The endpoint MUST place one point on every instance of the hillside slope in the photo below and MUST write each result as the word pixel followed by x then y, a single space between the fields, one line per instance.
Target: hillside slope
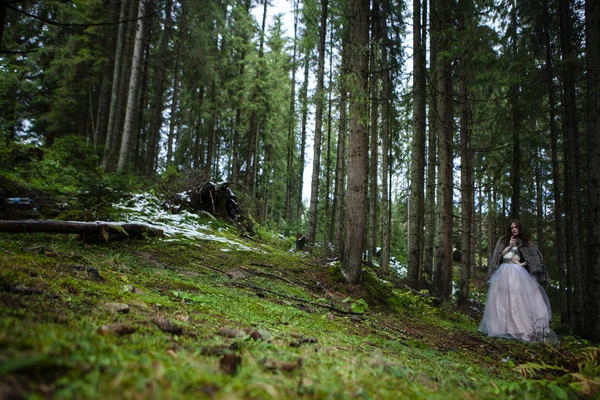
pixel 225 317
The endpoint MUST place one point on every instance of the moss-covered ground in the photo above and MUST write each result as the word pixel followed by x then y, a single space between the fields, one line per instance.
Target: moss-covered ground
pixel 204 319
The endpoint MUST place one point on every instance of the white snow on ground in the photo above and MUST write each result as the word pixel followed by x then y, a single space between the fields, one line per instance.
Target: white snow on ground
pixel 145 208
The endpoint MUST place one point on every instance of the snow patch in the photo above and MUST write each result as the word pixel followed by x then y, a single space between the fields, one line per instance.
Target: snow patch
pixel 147 209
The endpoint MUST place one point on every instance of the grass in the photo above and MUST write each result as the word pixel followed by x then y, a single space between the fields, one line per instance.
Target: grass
pixel 53 289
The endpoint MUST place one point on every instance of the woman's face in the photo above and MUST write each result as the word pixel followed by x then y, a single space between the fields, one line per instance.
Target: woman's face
pixel 514 229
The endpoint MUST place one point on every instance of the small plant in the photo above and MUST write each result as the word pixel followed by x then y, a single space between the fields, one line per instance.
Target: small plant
pixel 357 306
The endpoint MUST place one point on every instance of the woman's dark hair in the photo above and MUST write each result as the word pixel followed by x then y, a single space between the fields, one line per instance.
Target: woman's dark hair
pixel 523 236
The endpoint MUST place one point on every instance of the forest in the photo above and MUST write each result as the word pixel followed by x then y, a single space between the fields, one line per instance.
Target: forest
pixel 397 138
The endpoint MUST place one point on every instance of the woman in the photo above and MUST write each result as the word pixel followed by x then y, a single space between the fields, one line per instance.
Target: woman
pixel 517 307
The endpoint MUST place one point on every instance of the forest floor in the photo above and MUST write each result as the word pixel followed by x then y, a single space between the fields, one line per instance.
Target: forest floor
pixel 247 318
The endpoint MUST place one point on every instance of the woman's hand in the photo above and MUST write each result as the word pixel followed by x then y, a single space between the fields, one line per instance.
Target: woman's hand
pixel 513 241
pixel 517 261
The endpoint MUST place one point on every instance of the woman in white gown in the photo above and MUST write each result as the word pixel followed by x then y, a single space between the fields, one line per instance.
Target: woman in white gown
pixel 517 307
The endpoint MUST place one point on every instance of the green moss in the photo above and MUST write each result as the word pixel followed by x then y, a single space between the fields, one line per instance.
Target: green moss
pixel 402 347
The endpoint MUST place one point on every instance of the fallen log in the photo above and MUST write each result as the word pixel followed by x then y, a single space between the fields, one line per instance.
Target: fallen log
pixel 83 228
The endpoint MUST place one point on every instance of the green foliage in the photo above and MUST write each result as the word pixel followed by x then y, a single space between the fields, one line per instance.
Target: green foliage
pixel 357 305
pixel 67 173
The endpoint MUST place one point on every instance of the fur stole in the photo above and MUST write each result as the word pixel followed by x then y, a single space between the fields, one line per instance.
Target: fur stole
pixel 529 253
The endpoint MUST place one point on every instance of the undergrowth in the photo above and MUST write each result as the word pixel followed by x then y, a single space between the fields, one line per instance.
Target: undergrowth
pixel 208 320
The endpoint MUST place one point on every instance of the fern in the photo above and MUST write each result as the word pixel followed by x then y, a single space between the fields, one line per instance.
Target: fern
pixel 530 370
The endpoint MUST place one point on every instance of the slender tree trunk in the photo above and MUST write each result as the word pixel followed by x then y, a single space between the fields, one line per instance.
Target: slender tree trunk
pixel 304 101
pixel 130 113
pixel 251 156
pixel 385 141
pixel 592 16
pixel 556 174
pixel 417 169
pixel 515 174
pixel 328 225
pixel 156 109
pixel 466 184
pixel 358 141
pixel 491 206
pixel 319 95
pixel 539 203
pixel 139 136
pixel 104 96
pixel 176 83
pixel 291 141
pixel 196 118
pixel 374 152
pixel 443 251
pixel 340 169
pixel 110 132
pixel 571 165
pixel 430 212
pixel 212 126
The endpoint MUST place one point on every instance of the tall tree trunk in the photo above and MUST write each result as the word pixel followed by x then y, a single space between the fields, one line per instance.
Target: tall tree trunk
pixel 443 249
pixel 291 140
pixel 156 109
pixel 358 141
pixel 592 16
pixel 466 175
pixel 491 206
pixel 196 120
pixel 139 136
pixel 430 212
pixel 104 97
pixel 112 113
pixel 328 225
pixel 539 203
pixel 417 169
pixel 251 156
pixel 212 126
pixel 386 89
pixel 235 164
pixel 136 63
pixel 304 101
pixel 319 95
pixel 340 163
pixel 515 174
pixel 571 164
pixel 374 127
pixel 176 83
pixel 559 240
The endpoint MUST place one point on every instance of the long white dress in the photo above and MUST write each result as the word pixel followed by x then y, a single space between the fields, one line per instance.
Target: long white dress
pixel 517 307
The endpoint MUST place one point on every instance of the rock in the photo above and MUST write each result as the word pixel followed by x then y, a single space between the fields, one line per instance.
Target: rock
pixel 261 334
pixel 301 341
pixel 238 274
pixel 137 291
pixel 166 326
pixel 116 308
pixel 230 363
pixel 118 329
pixel 275 365
pixel 23 289
pixel 231 332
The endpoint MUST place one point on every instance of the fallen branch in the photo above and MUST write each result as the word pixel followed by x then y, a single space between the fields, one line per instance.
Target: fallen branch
pixel 215 269
pixel 86 228
pixel 295 298
pixel 268 274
